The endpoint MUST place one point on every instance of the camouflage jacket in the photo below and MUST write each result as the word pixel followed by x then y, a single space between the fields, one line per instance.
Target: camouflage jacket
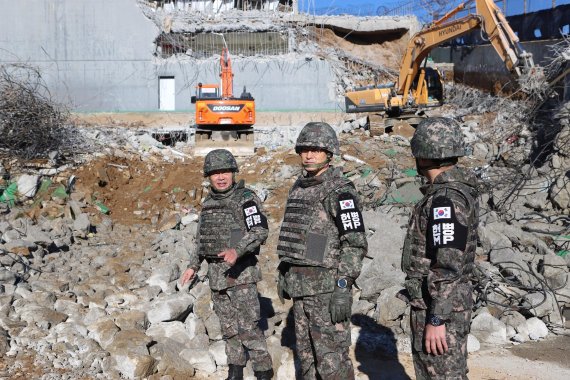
pixel 322 236
pixel 440 244
pixel 236 221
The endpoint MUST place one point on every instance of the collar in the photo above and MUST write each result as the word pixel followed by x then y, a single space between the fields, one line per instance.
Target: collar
pixel 305 181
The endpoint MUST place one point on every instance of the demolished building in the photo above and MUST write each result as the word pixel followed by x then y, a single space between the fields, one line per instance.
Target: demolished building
pixel 129 55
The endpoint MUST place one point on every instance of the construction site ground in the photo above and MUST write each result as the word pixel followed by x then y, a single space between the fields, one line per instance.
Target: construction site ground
pixel 137 190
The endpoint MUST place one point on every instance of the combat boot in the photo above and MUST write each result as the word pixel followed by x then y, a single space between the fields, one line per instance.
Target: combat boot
pixel 264 375
pixel 235 372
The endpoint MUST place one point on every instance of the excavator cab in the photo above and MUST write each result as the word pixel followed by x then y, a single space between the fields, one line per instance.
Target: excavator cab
pixel 429 93
pixel 206 91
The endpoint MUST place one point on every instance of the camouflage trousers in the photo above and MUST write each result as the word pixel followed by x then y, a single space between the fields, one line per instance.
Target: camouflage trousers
pixel 239 313
pixel 453 364
pixel 322 346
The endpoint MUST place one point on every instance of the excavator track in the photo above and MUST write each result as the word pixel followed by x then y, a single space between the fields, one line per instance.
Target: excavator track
pixel 237 139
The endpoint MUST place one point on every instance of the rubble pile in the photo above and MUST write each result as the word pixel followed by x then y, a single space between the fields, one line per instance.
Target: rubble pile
pixel 31 124
pixel 91 258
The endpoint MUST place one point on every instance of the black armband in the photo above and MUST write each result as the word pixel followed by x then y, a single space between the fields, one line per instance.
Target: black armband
pixel 349 217
pixel 253 216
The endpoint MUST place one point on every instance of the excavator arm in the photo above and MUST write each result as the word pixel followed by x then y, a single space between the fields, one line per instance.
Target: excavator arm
pixel 488 17
pixel 226 74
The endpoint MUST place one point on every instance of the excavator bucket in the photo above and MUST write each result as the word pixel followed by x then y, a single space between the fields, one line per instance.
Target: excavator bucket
pixel 238 140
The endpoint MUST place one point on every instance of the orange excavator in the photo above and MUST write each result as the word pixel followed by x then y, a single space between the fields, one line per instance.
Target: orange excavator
pixel 420 87
pixel 222 120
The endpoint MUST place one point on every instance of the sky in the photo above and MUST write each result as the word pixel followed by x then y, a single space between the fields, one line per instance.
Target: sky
pixel 371 7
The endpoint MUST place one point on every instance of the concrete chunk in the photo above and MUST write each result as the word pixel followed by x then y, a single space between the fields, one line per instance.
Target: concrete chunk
pixel 169 308
pixel 488 329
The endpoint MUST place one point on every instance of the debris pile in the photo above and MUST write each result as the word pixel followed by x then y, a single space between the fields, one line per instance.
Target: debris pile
pixel 90 266
pixel 31 124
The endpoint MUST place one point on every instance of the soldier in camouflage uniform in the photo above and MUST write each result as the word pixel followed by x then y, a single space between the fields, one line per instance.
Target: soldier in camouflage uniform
pixel 321 246
pixel 439 252
pixel 231 229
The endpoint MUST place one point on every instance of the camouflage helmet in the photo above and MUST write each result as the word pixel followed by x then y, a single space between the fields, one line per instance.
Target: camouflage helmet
pixel 437 138
pixel 318 135
pixel 220 159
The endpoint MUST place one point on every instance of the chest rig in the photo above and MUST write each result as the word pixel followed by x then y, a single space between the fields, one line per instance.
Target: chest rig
pixel 308 233
pixel 221 225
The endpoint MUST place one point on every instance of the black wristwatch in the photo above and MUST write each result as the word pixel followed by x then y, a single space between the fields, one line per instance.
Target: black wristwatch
pixel 435 320
pixel 342 283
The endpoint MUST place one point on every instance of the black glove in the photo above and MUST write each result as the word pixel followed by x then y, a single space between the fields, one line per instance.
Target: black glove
pixel 341 304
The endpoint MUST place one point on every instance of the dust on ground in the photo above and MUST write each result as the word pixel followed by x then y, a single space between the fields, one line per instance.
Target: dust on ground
pixel 137 191
pixel 150 120
pixel 146 192
pixel 544 360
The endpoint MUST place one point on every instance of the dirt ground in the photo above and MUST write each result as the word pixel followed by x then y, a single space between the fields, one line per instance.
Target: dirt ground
pixel 148 120
pixel 545 360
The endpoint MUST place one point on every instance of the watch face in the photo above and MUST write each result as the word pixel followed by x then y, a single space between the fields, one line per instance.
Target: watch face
pixel 434 320
pixel 342 283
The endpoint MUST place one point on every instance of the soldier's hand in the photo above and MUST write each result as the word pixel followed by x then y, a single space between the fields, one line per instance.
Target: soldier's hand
pixel 229 255
pixel 187 276
pixel 341 305
pixel 435 339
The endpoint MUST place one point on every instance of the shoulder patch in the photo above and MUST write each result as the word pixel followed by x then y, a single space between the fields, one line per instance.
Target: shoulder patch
pixel 253 216
pixel 349 217
pixel 443 228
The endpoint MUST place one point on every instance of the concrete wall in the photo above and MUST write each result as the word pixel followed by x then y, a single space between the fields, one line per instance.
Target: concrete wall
pixel 97 56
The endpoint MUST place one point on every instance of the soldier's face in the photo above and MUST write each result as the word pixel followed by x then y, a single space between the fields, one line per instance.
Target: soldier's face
pixel 313 159
pixel 221 180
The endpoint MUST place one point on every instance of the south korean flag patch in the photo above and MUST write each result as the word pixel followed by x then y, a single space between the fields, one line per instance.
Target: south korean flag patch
pixel 441 213
pixel 253 216
pixel 443 229
pixel 349 217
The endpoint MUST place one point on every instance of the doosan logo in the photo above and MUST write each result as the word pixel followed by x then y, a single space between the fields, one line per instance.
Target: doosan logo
pixel 226 108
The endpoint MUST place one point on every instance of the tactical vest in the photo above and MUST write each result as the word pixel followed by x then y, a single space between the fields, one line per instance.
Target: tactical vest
pixel 305 236
pixel 221 225
pixel 415 260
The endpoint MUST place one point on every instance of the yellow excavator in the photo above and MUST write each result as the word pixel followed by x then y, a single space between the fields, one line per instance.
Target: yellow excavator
pixel 420 87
